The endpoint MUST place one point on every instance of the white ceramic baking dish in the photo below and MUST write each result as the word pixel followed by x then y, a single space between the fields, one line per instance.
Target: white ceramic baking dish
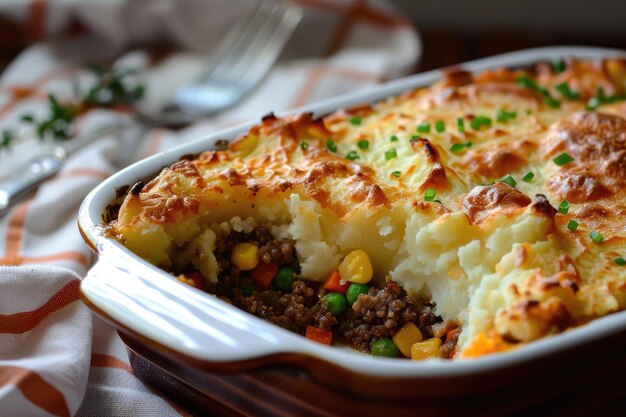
pixel 198 331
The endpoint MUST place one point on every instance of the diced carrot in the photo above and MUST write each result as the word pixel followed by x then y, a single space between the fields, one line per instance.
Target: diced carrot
pixel 198 279
pixel 263 274
pixel 392 285
pixel 319 335
pixel 333 283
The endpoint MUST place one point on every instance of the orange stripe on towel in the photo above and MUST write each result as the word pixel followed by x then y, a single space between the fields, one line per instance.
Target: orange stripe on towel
pixel 308 86
pixel 108 361
pixel 72 256
pixel 15 229
pixel 83 172
pixel 13 245
pixel 28 320
pixel 36 389
pixel 355 12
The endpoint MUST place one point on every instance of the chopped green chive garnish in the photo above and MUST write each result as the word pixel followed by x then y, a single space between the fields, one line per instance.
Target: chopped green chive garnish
pixel 458 147
pixel 304 145
pixel 396 173
pixel 479 121
pixel 596 237
pixel 564 207
pixel 558 66
pixel 620 261
pixel 352 155
pixel 602 98
pixel 28 118
pixel 509 180
pixel 429 194
pixel 394 138
pixel 565 91
pixel 331 146
pixel 390 154
pixel 484 120
pixel 423 127
pixel 356 120
pixel 572 225
pixel 440 126
pixel 529 112
pixel 528 82
pixel 363 144
pixel 563 159
pixel 504 116
pixel 528 177
pixel 460 125
pixel 550 102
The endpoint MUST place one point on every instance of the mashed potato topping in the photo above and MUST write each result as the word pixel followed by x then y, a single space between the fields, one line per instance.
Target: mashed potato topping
pixel 452 190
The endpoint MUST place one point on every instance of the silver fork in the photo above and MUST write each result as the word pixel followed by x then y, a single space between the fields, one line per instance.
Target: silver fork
pixel 240 63
pixel 242 60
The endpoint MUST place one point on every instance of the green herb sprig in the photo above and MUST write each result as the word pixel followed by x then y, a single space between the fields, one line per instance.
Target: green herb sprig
pixel 110 89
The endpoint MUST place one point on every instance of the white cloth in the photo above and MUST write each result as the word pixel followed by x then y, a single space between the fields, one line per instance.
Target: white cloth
pixel 55 358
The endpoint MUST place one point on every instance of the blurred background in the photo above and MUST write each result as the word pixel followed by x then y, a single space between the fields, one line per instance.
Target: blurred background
pixel 452 31
pixel 455 31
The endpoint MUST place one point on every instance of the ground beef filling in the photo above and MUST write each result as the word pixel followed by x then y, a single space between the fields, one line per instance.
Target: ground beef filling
pixel 378 314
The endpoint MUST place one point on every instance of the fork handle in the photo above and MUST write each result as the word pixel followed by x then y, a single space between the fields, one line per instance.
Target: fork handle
pixel 28 177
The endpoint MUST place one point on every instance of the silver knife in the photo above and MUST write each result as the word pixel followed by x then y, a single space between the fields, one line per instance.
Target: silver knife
pixel 46 165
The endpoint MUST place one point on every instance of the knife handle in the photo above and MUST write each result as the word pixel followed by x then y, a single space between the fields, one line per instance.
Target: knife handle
pixel 27 177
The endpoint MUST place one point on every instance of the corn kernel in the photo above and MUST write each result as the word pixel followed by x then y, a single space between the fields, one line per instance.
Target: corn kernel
pixel 186 280
pixel 426 349
pixel 356 267
pixel 406 337
pixel 245 256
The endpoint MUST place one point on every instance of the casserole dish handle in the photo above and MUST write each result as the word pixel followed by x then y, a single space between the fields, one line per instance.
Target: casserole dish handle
pixel 165 313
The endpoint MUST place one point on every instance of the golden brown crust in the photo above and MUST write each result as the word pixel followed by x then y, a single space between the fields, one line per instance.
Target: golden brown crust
pixel 597 142
pixel 269 156
pixel 497 198
pixel 161 210
pixel 495 162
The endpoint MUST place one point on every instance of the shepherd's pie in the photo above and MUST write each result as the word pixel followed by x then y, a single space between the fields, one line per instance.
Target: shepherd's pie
pixel 468 217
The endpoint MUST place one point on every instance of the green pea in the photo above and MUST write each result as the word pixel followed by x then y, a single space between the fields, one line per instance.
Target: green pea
pixel 354 290
pixel 336 303
pixel 248 289
pixel 385 347
pixel 284 278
